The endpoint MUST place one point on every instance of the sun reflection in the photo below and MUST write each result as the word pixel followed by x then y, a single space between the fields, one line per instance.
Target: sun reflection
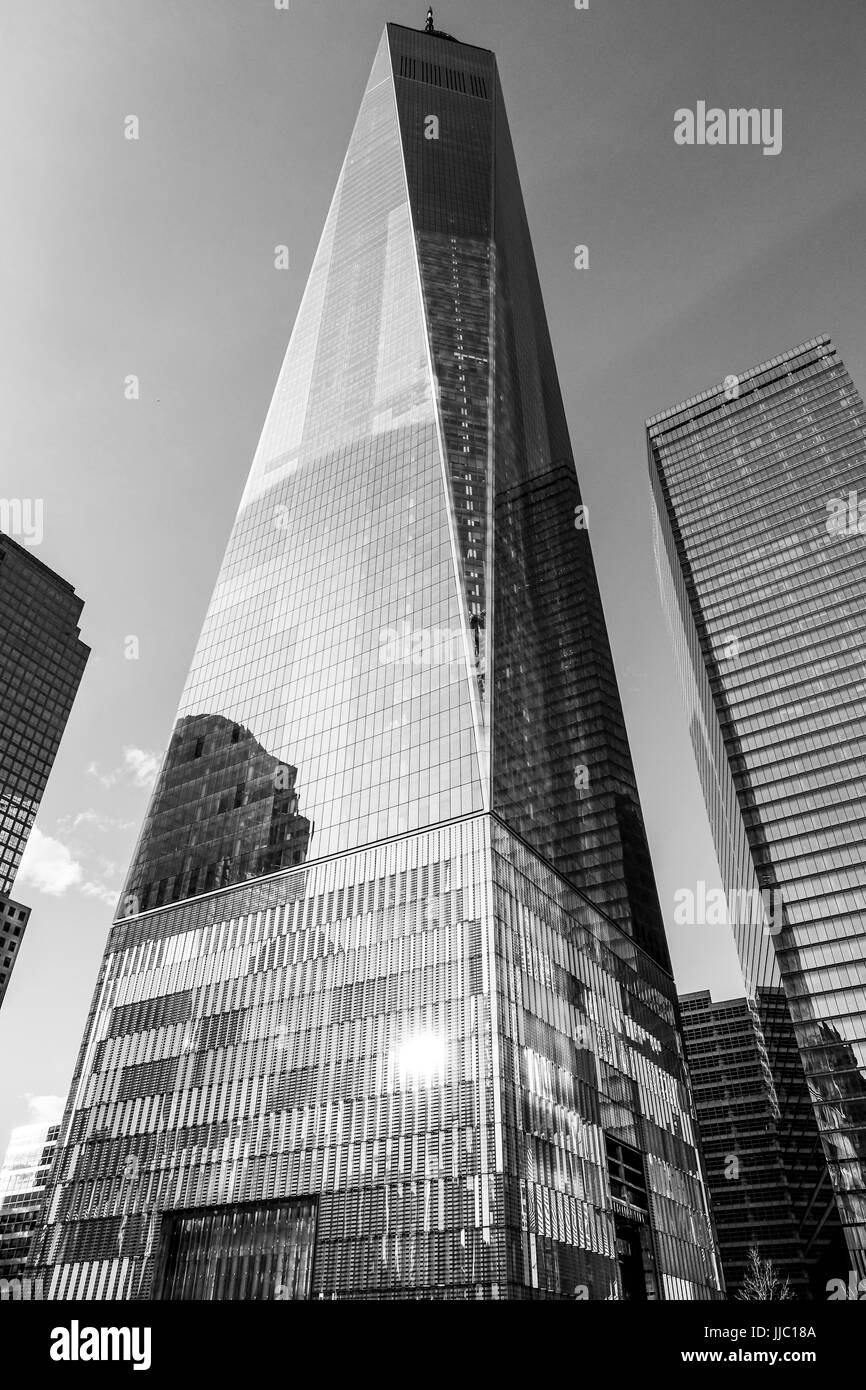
pixel 421 1058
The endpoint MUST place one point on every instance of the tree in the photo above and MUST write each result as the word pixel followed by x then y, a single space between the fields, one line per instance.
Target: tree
pixel 762 1281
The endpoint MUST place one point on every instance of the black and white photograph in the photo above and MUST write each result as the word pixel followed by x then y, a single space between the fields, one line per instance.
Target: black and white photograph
pixel 432 679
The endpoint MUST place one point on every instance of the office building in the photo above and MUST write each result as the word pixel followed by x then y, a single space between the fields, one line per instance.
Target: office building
pixel 42 660
pixel 13 924
pixel 765 1165
pixel 387 1009
pixel 758 485
pixel 23 1180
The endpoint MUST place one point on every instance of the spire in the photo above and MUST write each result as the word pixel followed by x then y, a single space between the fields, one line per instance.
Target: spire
pixel 430 28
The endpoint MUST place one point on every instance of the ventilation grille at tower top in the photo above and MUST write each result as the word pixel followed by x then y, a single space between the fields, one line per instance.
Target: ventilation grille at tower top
pixel 468 83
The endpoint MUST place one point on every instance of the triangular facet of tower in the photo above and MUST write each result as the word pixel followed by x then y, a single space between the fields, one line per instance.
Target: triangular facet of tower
pixel 337 638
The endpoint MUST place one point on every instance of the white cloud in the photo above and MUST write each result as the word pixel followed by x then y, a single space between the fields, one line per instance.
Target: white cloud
pixel 138 764
pixel 107 779
pixel 93 818
pixel 45 1110
pixel 143 766
pixel 102 891
pixel 47 866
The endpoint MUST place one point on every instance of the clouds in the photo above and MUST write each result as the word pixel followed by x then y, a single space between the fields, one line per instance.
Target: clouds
pixel 138 767
pixel 143 766
pixel 50 867
pixel 94 820
pixel 42 1111
pixel 45 1110
pixel 47 866
pixel 74 860
pixel 103 891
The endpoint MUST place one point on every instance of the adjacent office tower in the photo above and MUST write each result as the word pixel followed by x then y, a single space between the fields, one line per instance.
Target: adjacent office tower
pixel 23 1180
pixel 13 924
pixel 42 660
pixel 758 486
pixel 765 1165
pixel 387 1010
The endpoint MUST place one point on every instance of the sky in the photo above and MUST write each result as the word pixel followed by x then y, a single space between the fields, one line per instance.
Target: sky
pixel 155 258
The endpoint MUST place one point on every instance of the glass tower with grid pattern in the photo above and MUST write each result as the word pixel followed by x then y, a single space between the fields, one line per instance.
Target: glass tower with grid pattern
pixel 42 660
pixel 387 1010
pixel 765 1165
pixel 758 486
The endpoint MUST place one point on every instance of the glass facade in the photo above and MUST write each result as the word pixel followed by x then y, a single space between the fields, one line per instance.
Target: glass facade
pixel 380 947
pixel 252 1253
pixel 436 1038
pixel 42 660
pixel 335 645
pixel 560 771
pixel 756 487
pixel 23 1182
pixel 407 625
pixel 767 1176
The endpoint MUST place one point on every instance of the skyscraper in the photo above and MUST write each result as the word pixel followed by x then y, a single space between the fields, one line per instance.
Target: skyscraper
pixel 388 985
pixel 42 660
pixel 758 486
pixel 13 924
pixel 765 1165
pixel 23 1179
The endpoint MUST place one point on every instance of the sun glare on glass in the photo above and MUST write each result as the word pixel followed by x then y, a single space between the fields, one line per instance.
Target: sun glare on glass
pixel 420 1058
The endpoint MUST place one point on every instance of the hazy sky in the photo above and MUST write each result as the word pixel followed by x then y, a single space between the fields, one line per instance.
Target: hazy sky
pixel 155 257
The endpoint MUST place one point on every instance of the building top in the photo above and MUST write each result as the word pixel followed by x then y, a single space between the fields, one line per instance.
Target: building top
pixel 704 998
pixel 430 28
pixel 6 541
pixel 15 911
pixel 713 394
pixel 428 33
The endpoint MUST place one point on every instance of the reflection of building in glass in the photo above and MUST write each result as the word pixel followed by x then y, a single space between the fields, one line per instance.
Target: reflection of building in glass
pixel 765 1164
pixel 23 1180
pixel 423 1048
pixel 763 577
pixel 223 810
pixel 841 1104
pixel 13 924
pixel 555 662
pixel 42 660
